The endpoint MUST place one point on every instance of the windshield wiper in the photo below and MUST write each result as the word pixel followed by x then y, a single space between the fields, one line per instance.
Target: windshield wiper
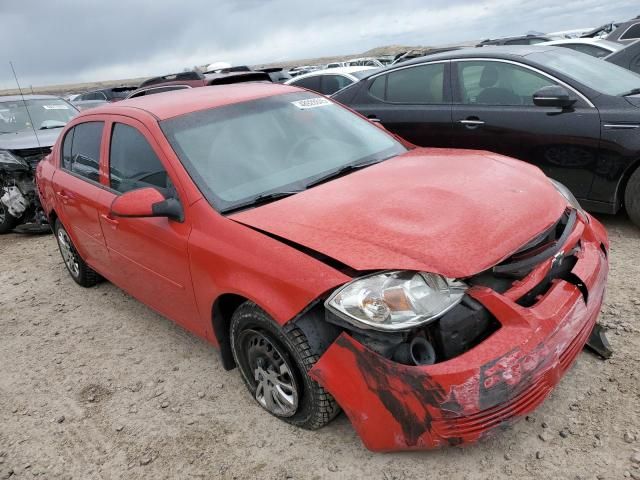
pixel 263 198
pixel 341 171
pixel 51 128
pixel 634 91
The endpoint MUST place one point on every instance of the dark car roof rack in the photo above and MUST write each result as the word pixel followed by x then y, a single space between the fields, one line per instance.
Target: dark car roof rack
pixel 182 76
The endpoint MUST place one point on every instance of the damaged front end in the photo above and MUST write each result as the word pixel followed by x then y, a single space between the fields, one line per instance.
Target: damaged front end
pixel 19 201
pixel 493 355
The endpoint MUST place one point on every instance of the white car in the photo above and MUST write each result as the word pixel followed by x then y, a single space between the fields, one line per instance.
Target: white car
pixel 331 80
pixel 591 46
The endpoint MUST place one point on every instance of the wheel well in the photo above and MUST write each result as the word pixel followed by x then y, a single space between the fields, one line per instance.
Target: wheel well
pixel 221 313
pixel 624 181
pixel 53 216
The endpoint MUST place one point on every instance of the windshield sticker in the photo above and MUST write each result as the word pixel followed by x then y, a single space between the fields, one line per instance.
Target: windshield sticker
pixel 311 103
pixel 55 107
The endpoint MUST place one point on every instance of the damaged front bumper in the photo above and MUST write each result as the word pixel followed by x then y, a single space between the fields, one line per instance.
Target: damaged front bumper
pixel 400 407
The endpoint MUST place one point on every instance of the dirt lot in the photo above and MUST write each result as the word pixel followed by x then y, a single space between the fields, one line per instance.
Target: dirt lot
pixel 95 385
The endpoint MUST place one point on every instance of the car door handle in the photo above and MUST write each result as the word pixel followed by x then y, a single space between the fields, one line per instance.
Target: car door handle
pixel 472 122
pixel 373 118
pixel 63 197
pixel 110 220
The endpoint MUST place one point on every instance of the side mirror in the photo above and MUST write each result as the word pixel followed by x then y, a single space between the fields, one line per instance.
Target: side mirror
pixel 146 202
pixel 553 96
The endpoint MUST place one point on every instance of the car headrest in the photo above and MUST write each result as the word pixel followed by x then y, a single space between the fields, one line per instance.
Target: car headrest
pixel 489 76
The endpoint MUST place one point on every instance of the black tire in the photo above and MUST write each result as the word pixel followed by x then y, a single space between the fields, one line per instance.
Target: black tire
pixel 632 197
pixel 81 273
pixel 315 406
pixel 7 221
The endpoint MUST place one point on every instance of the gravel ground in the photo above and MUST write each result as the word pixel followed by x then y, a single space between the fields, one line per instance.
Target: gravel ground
pixel 93 384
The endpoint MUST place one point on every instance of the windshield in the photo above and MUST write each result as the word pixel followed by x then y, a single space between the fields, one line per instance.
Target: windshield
pixel 278 144
pixel 45 113
pixel 601 76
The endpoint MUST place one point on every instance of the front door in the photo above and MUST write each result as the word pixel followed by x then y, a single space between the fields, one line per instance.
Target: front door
pixel 493 110
pixel 150 255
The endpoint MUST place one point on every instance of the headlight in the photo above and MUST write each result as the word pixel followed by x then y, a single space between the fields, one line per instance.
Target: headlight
pixel 395 300
pixel 7 157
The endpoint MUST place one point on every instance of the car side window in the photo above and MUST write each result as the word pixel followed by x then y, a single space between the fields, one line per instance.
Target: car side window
pixel 332 83
pixel 312 83
pixel 422 84
pixel 632 32
pixel 133 163
pixel 498 83
pixel 81 150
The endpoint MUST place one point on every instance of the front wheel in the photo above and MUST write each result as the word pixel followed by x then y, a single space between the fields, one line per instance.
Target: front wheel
pixel 632 197
pixel 7 221
pixel 274 363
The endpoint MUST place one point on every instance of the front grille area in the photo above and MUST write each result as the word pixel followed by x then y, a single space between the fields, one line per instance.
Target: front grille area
pixel 32 155
pixel 545 246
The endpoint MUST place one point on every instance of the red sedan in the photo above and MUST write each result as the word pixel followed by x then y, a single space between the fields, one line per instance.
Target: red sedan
pixel 434 295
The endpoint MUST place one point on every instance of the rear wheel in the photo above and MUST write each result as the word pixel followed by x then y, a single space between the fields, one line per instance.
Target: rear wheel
pixel 274 364
pixel 632 197
pixel 81 273
pixel 7 221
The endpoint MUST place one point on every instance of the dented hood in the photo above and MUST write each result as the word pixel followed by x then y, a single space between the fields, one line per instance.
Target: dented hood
pixel 453 212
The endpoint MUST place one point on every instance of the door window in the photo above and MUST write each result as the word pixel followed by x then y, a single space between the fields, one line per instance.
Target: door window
pixel 498 83
pixel 332 83
pixel 632 32
pixel 81 150
pixel 312 83
pixel 133 163
pixel 423 84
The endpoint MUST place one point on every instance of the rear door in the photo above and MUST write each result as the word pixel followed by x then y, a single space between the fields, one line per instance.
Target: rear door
pixel 493 110
pixel 413 102
pixel 79 194
pixel 150 255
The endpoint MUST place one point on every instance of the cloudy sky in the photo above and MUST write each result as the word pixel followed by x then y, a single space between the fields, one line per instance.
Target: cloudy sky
pixel 66 41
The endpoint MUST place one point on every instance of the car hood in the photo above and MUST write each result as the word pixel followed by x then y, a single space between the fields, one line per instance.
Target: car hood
pixel 27 139
pixel 453 212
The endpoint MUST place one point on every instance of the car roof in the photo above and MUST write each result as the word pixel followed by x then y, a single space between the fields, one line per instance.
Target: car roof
pixel 609 45
pixel 179 102
pixel 333 71
pixel 13 98
pixel 493 51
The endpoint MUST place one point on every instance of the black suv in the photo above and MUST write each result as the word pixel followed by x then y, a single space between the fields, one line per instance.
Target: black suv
pixel 573 115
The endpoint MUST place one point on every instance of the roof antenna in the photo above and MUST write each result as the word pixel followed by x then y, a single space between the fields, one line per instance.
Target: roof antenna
pixel 25 106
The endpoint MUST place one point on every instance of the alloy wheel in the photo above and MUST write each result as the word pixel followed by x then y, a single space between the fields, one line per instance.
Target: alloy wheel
pixel 269 373
pixel 69 254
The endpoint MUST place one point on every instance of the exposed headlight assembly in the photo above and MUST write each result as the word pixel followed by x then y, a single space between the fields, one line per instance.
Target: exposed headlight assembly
pixel 395 300
pixel 9 158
